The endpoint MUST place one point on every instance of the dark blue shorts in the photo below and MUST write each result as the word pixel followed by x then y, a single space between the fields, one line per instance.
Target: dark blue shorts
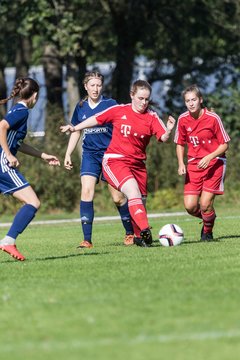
pixel 92 164
pixel 11 181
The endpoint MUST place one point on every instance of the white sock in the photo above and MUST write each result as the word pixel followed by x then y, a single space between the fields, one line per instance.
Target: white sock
pixel 7 240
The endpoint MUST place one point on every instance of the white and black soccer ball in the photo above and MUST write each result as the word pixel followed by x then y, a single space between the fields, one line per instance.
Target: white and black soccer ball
pixel 171 235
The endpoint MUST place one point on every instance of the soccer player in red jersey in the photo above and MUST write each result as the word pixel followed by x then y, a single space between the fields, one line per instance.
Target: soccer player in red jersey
pixel 207 141
pixel 124 160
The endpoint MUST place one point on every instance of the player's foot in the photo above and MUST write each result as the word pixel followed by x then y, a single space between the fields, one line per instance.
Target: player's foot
pixel 140 242
pixel 206 236
pixel 128 240
pixel 85 244
pixel 146 235
pixel 13 251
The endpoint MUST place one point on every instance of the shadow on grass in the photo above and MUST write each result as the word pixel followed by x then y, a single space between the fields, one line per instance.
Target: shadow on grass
pixel 69 256
pixel 12 260
pixel 228 237
pixel 215 240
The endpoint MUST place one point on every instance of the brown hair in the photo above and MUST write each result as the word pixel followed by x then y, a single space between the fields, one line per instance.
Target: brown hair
pixel 140 84
pixel 24 88
pixel 88 76
pixel 192 88
pixel 195 88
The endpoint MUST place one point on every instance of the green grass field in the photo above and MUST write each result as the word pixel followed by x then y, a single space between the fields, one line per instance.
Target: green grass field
pixel 116 302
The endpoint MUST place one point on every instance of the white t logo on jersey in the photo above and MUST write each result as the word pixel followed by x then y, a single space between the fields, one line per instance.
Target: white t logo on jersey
pixel 194 140
pixel 125 130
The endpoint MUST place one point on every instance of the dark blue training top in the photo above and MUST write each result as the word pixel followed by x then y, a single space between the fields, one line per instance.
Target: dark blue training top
pixel 17 118
pixel 98 137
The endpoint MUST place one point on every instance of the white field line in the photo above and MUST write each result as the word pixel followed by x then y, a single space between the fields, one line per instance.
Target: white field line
pixel 98 218
pixel 113 218
pixel 120 341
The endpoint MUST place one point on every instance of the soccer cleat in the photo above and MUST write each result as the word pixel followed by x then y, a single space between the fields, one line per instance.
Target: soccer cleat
pixel 146 235
pixel 140 242
pixel 13 251
pixel 85 244
pixel 128 240
pixel 206 236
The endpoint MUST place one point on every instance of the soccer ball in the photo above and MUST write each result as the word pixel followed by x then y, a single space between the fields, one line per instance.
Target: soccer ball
pixel 170 235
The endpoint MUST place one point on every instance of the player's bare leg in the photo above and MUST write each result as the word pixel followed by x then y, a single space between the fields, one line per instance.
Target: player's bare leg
pixel 121 203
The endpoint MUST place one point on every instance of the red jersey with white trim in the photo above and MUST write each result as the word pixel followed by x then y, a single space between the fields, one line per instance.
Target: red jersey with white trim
pixel 203 135
pixel 131 131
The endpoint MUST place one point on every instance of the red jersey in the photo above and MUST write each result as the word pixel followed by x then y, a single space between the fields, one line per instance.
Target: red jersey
pixel 131 131
pixel 202 136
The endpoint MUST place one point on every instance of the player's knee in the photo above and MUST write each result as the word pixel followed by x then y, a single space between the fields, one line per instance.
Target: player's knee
pixel 191 209
pixel 87 194
pixel 119 199
pixel 36 203
pixel 206 207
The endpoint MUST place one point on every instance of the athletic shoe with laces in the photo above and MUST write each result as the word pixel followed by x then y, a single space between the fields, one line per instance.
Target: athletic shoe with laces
pixel 146 235
pixel 13 251
pixel 206 236
pixel 128 240
pixel 145 239
pixel 85 244
pixel 140 242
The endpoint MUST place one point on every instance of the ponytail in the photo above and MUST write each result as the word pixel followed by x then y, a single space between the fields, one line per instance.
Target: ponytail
pixel 23 88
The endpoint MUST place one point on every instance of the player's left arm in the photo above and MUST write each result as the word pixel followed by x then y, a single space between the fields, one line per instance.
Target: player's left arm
pixel 221 149
pixel 30 150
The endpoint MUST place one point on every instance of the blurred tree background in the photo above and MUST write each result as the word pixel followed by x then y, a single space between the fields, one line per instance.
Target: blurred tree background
pixel 185 41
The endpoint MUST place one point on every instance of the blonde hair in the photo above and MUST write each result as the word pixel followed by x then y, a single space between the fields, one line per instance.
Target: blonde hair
pixel 92 75
pixel 88 76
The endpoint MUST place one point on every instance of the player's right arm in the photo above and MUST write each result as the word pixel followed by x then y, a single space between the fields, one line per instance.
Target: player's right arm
pixel 90 122
pixel 4 127
pixel 180 157
pixel 72 143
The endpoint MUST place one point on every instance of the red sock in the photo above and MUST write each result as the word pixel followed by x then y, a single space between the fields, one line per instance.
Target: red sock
pixel 208 221
pixel 136 229
pixel 138 213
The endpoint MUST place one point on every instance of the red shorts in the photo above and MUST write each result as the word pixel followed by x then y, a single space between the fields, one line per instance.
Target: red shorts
pixel 210 179
pixel 118 170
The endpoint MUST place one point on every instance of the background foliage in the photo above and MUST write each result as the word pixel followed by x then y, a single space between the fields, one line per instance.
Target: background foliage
pixel 183 41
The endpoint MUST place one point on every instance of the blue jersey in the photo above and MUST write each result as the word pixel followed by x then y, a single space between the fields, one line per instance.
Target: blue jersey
pixel 98 137
pixel 17 118
pixel 11 179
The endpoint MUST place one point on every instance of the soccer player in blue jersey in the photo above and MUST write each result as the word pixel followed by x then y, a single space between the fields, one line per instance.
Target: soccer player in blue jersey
pixel 13 129
pixel 94 143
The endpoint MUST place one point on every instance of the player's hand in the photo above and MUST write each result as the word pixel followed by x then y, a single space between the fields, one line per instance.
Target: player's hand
pixel 12 161
pixel 51 159
pixel 170 123
pixel 67 128
pixel 204 162
pixel 182 170
pixel 68 162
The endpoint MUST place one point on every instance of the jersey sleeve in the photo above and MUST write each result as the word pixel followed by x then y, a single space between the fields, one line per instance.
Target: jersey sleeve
pixel 106 116
pixel 180 135
pixel 158 126
pixel 221 134
pixel 16 116
pixel 75 118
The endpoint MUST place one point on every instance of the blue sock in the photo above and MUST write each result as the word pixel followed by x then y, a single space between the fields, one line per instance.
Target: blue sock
pixel 126 218
pixel 87 216
pixel 23 217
